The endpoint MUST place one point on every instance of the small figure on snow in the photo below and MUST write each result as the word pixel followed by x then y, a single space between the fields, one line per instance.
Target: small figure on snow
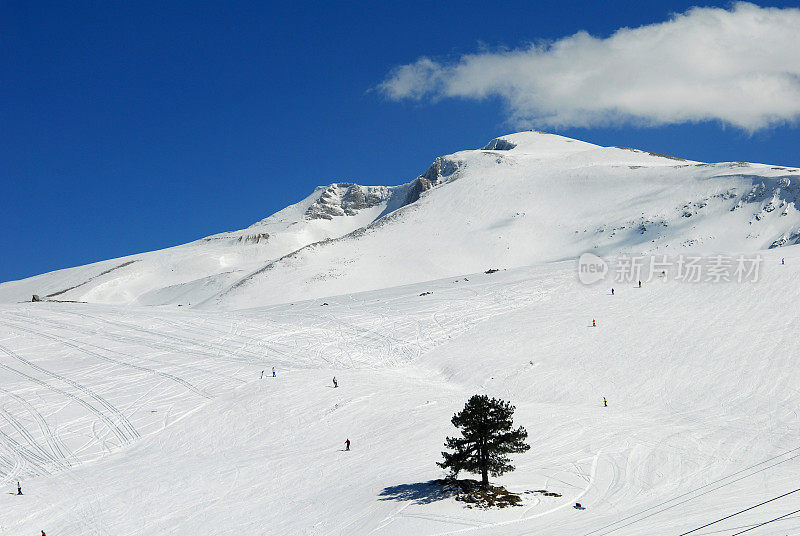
pixel 783 261
pixel 273 372
pixel 605 402
pixel 612 291
pixel 43 534
pixel 594 325
pixel 19 489
pixel 335 383
pixel 578 506
pixel 347 445
pixel 262 374
pixel 640 284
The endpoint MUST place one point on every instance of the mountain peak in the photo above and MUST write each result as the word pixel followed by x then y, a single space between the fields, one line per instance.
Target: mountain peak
pixel 535 143
pixel 525 198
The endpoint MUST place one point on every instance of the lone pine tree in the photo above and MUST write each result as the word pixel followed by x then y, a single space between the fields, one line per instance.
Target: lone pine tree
pixel 486 426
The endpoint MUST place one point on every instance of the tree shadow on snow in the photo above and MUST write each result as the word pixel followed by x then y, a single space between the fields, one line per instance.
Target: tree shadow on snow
pixel 419 492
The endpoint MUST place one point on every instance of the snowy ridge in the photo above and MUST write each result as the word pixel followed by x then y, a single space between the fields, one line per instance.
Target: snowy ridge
pixel 531 204
pixel 524 198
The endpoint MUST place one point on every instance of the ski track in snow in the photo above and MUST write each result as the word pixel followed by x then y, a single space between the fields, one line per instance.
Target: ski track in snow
pixel 122 428
pixel 230 340
pixel 154 421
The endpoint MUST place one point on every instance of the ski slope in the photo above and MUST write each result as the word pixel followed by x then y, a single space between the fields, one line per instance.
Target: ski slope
pixel 130 420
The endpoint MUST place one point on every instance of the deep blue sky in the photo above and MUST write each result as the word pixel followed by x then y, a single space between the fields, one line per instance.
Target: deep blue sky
pixel 133 126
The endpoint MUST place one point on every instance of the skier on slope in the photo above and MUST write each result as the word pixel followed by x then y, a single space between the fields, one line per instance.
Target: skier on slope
pixel 19 489
pixel 605 402
pixel 593 323
pixel 273 372
pixel 347 445
pixel 335 383
pixel 640 284
pixel 612 291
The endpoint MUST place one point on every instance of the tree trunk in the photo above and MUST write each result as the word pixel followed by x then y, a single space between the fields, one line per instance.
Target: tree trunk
pixel 484 467
pixel 483 456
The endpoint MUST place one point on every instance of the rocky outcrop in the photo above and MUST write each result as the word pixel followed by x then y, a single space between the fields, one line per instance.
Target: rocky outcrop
pixel 499 144
pixel 253 238
pixel 346 199
pixel 788 239
pixel 440 171
pixel 769 194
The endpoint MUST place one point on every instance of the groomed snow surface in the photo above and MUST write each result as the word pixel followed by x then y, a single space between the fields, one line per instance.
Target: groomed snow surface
pixel 123 420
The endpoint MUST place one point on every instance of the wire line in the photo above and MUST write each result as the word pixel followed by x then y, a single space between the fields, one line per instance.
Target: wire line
pixel 765 522
pixel 695 490
pixel 739 512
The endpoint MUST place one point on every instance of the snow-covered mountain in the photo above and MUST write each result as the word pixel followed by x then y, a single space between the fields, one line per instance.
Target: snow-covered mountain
pixel 523 199
pixel 124 419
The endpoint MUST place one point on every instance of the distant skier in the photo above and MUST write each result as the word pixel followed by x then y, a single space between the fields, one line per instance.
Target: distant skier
pixel 335 383
pixel 273 372
pixel 347 445
pixel 262 374
pixel 593 323
pixel 605 402
pixel 612 291
pixel 783 261
pixel 640 284
pixel 578 506
pixel 19 489
pixel 43 534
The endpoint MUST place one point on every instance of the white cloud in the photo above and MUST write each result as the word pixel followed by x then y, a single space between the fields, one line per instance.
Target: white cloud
pixel 739 66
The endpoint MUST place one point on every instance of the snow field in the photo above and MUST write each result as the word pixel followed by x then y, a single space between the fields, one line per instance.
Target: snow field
pixel 165 426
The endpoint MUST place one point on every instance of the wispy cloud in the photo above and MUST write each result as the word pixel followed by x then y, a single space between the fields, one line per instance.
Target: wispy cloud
pixel 740 66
